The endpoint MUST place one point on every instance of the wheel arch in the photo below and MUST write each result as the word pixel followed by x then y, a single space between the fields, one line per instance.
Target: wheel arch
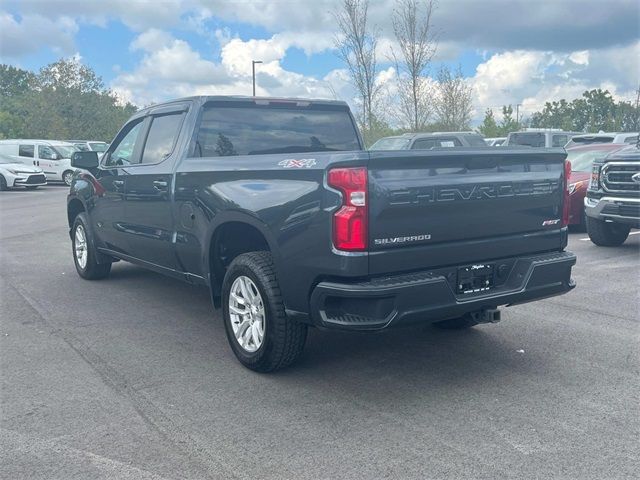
pixel 233 235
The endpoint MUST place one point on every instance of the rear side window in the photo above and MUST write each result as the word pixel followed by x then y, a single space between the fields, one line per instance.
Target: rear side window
pixel 162 137
pixel 26 150
pixel 559 140
pixel 477 141
pixel 423 144
pixel 254 130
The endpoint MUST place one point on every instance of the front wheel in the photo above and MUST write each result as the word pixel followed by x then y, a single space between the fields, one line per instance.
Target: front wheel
pixel 85 254
pixel 607 234
pixel 67 177
pixel 3 184
pixel 259 332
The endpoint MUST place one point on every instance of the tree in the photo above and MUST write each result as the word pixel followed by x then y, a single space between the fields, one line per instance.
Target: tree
pixel 413 30
pixel 508 124
pixel 356 44
pixel 596 110
pixel 453 103
pixel 15 81
pixel 489 127
pixel 64 100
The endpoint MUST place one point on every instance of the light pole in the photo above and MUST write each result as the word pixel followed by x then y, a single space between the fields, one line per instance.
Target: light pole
pixel 253 72
pixel 518 105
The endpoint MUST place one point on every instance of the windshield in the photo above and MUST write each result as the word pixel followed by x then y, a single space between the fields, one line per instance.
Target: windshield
pixel 98 146
pixel 65 151
pixel 582 161
pixel 390 144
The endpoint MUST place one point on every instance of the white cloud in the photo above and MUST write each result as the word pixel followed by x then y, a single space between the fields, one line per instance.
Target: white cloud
pixel 33 32
pixel 171 68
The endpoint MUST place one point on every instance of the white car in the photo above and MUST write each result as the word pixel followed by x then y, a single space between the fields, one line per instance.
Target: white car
pixel 52 156
pixel 19 175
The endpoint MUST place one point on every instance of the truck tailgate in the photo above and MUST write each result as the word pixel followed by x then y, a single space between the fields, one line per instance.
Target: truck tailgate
pixel 437 208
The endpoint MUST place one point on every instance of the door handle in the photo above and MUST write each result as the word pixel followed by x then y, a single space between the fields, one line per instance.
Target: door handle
pixel 118 183
pixel 160 185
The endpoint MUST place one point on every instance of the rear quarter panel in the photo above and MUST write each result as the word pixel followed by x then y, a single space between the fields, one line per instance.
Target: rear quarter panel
pixel 288 204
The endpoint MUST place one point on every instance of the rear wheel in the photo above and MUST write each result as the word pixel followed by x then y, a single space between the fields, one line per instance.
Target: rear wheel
pixel 67 177
pixel 259 332
pixel 85 254
pixel 607 234
pixel 3 184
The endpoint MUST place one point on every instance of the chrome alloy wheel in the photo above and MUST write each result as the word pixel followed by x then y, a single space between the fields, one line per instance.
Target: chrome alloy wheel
pixel 247 313
pixel 80 246
pixel 67 178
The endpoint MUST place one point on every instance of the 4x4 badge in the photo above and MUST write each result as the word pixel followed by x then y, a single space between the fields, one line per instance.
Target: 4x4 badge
pixel 636 177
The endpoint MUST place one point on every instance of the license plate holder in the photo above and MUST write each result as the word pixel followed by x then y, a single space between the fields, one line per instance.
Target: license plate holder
pixel 475 278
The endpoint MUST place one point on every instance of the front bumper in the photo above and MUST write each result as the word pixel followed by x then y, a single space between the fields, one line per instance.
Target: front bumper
pixel 29 180
pixel 617 209
pixel 431 296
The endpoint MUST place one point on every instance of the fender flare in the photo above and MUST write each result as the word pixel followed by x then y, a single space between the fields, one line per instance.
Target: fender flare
pixel 238 216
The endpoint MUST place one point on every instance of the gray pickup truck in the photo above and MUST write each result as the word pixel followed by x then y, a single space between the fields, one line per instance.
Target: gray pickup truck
pixel 275 206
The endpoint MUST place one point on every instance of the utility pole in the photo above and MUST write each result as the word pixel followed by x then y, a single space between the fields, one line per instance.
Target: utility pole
pixel 253 73
pixel 518 105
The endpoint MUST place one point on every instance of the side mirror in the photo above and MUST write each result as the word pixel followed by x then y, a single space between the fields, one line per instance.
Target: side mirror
pixel 84 160
pixel 54 156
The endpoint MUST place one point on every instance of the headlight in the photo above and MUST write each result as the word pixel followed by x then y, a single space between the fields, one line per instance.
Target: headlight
pixel 574 186
pixel 594 181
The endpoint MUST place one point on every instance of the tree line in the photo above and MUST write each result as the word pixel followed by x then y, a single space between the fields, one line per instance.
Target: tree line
pixel 64 100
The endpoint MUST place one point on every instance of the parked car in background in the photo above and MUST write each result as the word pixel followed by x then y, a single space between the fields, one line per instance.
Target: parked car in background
pixel 540 138
pixel 620 138
pixel 582 159
pixel 19 175
pixel 495 141
pixel 612 205
pixel 52 156
pixel 425 141
pixel 90 145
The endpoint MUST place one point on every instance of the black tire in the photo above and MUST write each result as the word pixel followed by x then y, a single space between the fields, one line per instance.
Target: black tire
pixel 67 177
pixel 283 339
pixel 459 323
pixel 607 234
pixel 32 187
pixel 92 270
pixel 3 184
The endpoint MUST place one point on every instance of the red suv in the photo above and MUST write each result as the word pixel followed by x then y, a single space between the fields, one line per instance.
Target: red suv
pixel 582 159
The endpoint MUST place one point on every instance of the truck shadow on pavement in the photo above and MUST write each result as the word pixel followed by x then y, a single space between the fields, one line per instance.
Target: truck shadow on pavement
pixel 422 354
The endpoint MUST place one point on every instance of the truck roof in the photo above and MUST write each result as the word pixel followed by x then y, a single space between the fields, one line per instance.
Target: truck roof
pixel 247 99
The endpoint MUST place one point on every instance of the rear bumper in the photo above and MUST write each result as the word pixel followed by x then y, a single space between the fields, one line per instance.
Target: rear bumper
pixel 430 296
pixel 617 209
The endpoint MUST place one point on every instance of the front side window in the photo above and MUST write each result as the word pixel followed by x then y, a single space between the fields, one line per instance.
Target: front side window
pixel 448 142
pixel 122 154
pixel 249 129
pixel 162 137
pixel 26 151
pixel 47 153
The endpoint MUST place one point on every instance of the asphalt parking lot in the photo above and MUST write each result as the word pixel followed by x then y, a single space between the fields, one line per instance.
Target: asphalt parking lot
pixel 132 377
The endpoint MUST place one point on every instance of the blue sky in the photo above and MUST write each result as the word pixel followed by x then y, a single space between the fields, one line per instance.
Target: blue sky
pixel 513 51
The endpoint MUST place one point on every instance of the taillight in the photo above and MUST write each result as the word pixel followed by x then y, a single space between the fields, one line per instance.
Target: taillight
pixel 565 193
pixel 350 221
